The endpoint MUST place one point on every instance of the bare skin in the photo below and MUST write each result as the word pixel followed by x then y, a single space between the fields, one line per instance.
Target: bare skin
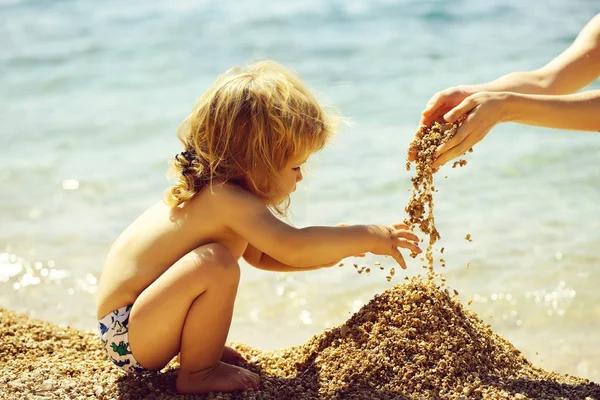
pixel 189 309
pixel 179 268
pixel 542 97
pixel 229 356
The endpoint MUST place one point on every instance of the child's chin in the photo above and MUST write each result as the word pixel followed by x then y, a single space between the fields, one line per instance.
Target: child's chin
pixel 278 200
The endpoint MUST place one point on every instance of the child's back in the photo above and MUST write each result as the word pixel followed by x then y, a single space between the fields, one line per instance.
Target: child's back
pixel 155 241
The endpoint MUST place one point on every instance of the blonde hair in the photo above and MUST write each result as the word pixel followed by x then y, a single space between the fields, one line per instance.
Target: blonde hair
pixel 251 122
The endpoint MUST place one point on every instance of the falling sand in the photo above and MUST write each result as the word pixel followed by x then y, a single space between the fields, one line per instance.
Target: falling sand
pixel 420 206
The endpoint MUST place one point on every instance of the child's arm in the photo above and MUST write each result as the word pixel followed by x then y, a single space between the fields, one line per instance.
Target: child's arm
pixel 260 260
pixel 248 216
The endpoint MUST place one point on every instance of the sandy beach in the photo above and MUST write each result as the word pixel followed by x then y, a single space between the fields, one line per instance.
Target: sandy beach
pixel 412 341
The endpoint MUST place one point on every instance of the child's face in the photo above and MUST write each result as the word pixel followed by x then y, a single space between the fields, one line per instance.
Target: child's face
pixel 290 176
pixel 293 174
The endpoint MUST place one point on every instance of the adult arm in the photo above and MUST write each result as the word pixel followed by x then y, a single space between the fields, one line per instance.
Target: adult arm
pixel 578 111
pixel 573 69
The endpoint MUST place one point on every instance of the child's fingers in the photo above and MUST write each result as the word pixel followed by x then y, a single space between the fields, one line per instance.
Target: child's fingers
pixel 410 245
pixel 398 257
pixel 402 233
pixel 400 225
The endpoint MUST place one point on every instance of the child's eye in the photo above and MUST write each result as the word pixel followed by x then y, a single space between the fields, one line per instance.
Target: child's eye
pixel 297 168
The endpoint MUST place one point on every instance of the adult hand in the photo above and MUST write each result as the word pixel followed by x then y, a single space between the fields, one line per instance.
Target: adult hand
pixel 437 106
pixel 484 109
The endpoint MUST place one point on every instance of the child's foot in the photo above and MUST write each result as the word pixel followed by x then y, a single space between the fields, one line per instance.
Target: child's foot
pixel 221 378
pixel 230 356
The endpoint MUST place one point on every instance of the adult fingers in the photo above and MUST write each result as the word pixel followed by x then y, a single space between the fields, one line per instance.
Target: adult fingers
pixel 429 119
pixel 471 140
pixel 435 102
pixel 398 257
pixel 447 156
pixel 435 115
pixel 441 103
pixel 412 150
pixel 458 138
pixel 454 152
pixel 412 154
pixel 463 138
pixel 464 107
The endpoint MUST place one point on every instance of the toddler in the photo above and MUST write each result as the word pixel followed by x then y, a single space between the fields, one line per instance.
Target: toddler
pixel 170 280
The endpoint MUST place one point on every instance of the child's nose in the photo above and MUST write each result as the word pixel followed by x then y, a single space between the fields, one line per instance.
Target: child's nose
pixel 299 176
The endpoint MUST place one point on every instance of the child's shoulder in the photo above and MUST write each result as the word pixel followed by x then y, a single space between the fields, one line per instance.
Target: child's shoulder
pixel 230 195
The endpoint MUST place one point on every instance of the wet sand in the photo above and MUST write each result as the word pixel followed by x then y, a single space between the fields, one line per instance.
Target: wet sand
pixel 413 341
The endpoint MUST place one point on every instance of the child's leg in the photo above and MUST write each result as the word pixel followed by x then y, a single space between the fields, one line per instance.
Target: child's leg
pixel 189 309
pixel 229 355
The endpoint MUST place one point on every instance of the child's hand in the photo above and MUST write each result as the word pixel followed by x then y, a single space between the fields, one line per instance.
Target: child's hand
pixel 387 239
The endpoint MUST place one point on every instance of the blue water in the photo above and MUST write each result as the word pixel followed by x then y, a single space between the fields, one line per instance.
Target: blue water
pixel 91 94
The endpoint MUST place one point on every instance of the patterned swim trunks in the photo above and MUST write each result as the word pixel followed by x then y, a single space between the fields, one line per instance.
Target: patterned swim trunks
pixel 114 330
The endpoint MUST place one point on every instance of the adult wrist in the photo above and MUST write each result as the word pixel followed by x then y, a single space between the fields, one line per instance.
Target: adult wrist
pixel 511 106
pixel 472 89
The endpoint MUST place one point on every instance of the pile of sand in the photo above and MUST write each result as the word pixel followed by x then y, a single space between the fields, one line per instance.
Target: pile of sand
pixel 411 342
